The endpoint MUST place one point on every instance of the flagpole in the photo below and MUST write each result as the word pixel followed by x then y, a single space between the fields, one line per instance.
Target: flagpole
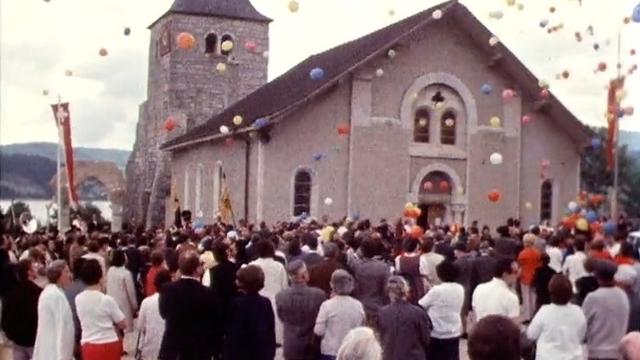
pixel 616 159
pixel 59 161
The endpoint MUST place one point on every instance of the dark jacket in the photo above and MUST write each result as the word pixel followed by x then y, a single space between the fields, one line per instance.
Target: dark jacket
pixel 251 332
pixel 404 331
pixel 371 277
pixel 191 322
pixel 320 274
pixel 312 259
pixel 20 313
pixel 483 270
pixel 223 284
pixel 541 280
pixel 297 308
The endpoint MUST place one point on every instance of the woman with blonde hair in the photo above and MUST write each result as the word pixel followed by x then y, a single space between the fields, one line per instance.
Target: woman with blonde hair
pixel 360 344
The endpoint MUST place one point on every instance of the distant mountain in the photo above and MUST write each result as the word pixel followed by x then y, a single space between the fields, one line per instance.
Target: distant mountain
pixel 48 150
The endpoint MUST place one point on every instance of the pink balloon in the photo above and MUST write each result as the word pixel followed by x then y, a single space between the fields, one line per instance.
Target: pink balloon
pixel 526 119
pixel 508 94
pixel 545 163
pixel 250 46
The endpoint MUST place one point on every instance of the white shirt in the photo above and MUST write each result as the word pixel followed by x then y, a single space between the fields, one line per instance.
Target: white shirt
pixel 574 267
pixel 555 258
pixel 97 313
pixel 336 317
pixel 428 263
pixel 275 280
pixel 151 327
pixel 495 298
pixel 55 336
pixel 444 305
pixel 559 330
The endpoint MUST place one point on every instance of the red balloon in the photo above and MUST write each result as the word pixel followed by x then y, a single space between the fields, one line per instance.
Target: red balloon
pixel 544 93
pixel 251 46
pixel 343 129
pixel 416 232
pixel 494 196
pixel 415 212
pixel 103 52
pixel 602 66
pixel 444 185
pixel 185 41
pixel 170 124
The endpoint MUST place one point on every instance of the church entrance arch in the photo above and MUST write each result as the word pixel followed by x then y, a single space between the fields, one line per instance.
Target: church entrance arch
pixel 439 193
pixel 105 172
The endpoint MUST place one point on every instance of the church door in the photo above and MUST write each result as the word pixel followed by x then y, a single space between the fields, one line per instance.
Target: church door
pixel 430 215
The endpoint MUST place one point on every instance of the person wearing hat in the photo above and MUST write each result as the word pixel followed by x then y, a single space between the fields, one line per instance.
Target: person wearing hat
pixel 607 313
pixel 297 307
pixel 625 278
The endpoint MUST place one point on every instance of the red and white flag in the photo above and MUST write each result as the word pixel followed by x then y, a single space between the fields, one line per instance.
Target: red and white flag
pixel 63 122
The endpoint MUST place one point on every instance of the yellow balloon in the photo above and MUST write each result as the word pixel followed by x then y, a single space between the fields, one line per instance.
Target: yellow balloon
pixel 227 45
pixel 439 105
pixel 495 122
pixel 528 205
pixel 294 6
pixel 582 224
pixel 237 120
pixel 520 7
pixel 221 67
pixel 408 206
pixel 511 2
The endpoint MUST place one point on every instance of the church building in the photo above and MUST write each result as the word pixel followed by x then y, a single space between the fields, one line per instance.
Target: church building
pixel 432 110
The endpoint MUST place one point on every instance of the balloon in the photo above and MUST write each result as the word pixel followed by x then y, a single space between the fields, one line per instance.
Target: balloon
pixel 170 124
pixel 391 53
pixel 494 196
pixel 602 66
pixel 486 89
pixel 416 232
pixel 632 52
pixel 544 23
pixel 237 120
pixel 328 201
pixel 545 163
pixel 127 31
pixel 552 9
pixel 250 46
pixel 526 119
pixel 508 94
pixel 224 129
pixel 260 123
pixel 493 41
pixel 68 73
pixel 265 54
pixel 379 72
pixel 294 6
pixel 221 67
pixel 596 46
pixel 610 228
pixel 629 110
pixel 496 15
pixel 596 143
pixel 437 15
pixel 565 74
pixel 45 92
pixel 511 2
pixel 343 129
pixel 415 212
pixel 496 158
pixel 428 186
pixel 591 216
pixel 520 7
pixel 226 45
pixel 317 156
pixel 573 206
pixel 422 122
pixel 543 84
pixel 545 93
pixel 229 141
pixel 582 224
pixel 186 41
pixel 316 74
pixel 408 206
pixel 528 205
pixel 636 14
pixel 495 122
pixel 103 52
pixel 444 185
pixel 449 122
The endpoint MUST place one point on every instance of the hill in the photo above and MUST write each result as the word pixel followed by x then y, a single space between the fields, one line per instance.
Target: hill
pixel 48 150
pixel 631 139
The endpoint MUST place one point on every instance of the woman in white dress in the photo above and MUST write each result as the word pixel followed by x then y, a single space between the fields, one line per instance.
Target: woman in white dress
pixel 120 287
pixel 275 278
pixel 150 322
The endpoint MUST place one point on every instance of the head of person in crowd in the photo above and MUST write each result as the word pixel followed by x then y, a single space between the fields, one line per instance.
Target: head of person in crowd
pixel 447 271
pixel 507 270
pixel 91 272
pixel 369 247
pixel 163 277
pixel 626 250
pixel 360 344
pixel 535 230
pixel 341 282
pixel 58 273
pixel 93 246
pixel 560 290
pixel 494 337
pixel 157 259
pixel 597 245
pixel 579 242
pixel 427 244
pixel 630 346
pixel 460 249
pixel 503 231
pixel 528 240
pixel 605 272
pixel 554 241
pixel 545 259
pixel 298 272
pixel 220 252
pixel 409 245
pixel 625 276
pixel 330 250
pixel 77 267
pixel 250 279
pixel 397 288
pixel 118 258
pixel 190 265
pixel 265 249
pixel 26 270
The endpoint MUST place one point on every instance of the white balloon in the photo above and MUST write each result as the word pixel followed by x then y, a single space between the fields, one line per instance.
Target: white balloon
pixel 496 158
pixel 224 129
pixel 437 14
pixel 379 72
pixel 573 206
pixel 328 201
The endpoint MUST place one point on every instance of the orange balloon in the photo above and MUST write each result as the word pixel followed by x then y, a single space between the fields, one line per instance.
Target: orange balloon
pixel 343 129
pixel 444 185
pixel 494 196
pixel 415 212
pixel 186 41
pixel 407 212
pixel 416 232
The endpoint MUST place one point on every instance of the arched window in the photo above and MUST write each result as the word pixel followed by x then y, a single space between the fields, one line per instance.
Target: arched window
pixel 225 37
pixel 302 193
pixel 211 44
pixel 185 198
pixel 421 125
pixel 546 200
pixel 448 128
pixel 199 181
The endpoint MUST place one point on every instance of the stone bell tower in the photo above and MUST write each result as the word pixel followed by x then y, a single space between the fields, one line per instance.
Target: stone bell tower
pixel 191 86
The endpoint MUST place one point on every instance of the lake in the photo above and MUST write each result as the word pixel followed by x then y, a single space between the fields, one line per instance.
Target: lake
pixel 39 210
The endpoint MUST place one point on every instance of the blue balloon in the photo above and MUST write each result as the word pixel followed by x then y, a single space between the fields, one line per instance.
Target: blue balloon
pixel 486 89
pixel 609 228
pixel 596 143
pixel 316 74
pixel 260 123
pixel 620 113
pixel 636 14
pixel 591 216
pixel 544 23
pixel 596 46
pixel 317 157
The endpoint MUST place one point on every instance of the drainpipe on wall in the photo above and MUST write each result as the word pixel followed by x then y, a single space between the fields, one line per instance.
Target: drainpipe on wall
pixel 247 166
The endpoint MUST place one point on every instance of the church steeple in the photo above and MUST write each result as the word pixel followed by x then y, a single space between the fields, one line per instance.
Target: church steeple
pixel 232 9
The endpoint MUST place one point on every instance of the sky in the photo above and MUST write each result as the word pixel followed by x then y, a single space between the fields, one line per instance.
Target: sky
pixel 40 40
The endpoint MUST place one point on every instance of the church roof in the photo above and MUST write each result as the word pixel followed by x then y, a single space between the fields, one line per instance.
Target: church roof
pixel 234 9
pixel 294 87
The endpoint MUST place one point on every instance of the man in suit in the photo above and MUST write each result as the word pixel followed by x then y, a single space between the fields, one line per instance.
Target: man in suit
pixel 189 310
pixel 320 274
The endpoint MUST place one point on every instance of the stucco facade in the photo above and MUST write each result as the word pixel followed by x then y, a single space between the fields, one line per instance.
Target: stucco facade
pixel 378 167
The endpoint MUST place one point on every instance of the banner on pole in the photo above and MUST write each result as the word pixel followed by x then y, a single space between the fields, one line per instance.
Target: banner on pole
pixel 613 108
pixel 63 122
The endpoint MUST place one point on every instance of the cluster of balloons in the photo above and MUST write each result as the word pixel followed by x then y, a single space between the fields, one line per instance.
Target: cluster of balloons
pixel 583 213
pixel 411 211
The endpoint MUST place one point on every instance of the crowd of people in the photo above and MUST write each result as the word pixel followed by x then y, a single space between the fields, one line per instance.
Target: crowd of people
pixel 315 290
